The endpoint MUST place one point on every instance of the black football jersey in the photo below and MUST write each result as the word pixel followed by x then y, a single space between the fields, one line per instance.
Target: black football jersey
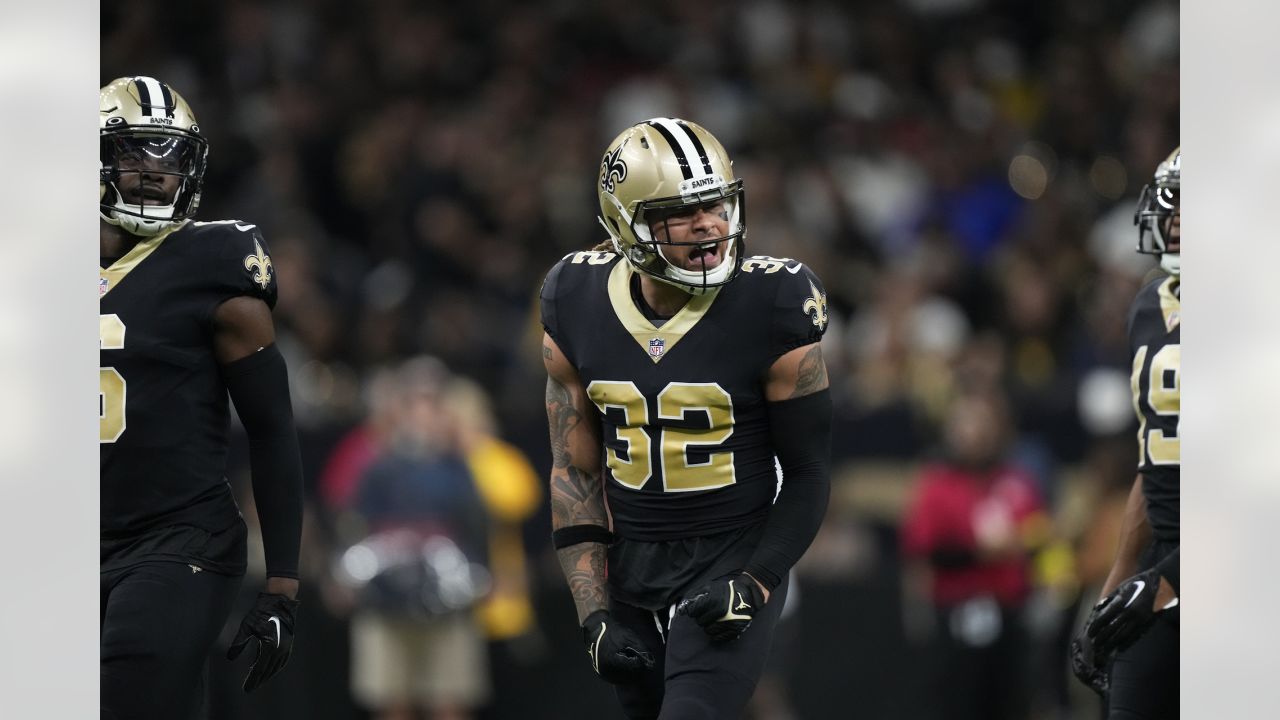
pixel 163 408
pixel 1155 345
pixel 685 429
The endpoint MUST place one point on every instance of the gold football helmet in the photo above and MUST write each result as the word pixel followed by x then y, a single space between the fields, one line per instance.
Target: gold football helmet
pixel 659 166
pixel 148 133
pixel 1157 205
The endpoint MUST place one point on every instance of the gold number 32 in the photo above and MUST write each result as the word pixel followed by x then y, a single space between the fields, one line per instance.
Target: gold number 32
pixel 111 385
pixel 677 401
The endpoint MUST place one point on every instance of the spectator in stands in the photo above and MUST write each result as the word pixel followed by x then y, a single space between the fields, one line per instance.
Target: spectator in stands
pixel 415 643
pixel 966 536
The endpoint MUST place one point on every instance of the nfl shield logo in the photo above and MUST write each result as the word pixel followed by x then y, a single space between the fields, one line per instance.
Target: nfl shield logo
pixel 656 346
pixel 102 286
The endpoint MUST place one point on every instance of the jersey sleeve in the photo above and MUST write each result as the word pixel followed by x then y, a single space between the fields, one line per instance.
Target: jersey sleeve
pixel 242 262
pixel 548 301
pixel 1131 325
pixel 1143 311
pixel 799 311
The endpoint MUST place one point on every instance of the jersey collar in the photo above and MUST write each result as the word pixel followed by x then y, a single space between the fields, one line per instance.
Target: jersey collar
pixel 110 277
pixel 655 341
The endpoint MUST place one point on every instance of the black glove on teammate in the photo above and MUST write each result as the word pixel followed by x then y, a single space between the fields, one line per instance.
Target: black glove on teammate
pixel 270 622
pixel 1090 667
pixel 725 606
pixel 617 654
pixel 1125 614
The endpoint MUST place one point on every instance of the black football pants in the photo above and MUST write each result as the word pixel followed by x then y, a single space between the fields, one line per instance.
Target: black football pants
pixel 694 678
pixel 158 622
pixel 1144 677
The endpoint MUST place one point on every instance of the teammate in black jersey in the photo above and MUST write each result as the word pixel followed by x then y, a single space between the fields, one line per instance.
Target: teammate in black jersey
pixel 684 380
pixel 185 319
pixel 1137 618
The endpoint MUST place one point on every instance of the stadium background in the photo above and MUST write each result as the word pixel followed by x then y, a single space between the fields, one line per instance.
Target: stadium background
pixel 960 173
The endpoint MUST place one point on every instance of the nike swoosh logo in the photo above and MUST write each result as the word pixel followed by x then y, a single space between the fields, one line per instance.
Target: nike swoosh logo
pixel 731 615
pixel 594 649
pixel 794 268
pixel 1138 586
pixel 245 228
pixel 276 620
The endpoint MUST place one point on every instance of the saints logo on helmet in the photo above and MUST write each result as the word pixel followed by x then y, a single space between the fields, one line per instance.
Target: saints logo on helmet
pixel 152 154
pixel 1158 208
pixel 660 168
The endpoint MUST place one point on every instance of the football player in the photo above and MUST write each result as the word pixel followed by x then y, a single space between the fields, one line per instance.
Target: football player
pixel 690 427
pixel 185 320
pixel 1136 621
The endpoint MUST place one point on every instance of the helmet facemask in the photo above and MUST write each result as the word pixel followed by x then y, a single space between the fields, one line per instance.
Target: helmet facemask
pixel 140 160
pixel 647 253
pixel 1158 207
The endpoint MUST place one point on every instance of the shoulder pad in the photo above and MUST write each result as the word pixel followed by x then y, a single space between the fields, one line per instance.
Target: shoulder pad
pixel 800 314
pixel 240 259
pixel 574 271
pixel 1146 307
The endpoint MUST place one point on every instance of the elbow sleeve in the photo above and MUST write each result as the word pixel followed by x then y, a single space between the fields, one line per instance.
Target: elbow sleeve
pixel 259 388
pixel 800 430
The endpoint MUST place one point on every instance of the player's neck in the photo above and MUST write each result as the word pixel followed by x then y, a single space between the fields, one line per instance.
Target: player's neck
pixel 664 299
pixel 113 241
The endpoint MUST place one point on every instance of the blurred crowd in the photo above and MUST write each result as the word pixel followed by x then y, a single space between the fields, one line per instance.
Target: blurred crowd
pixel 960 173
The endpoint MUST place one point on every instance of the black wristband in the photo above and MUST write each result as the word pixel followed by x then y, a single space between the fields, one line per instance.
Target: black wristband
pixel 575 534
pixel 259 388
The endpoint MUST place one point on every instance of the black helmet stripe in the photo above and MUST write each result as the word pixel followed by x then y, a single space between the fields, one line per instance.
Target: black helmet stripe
pixel 697 144
pixel 675 147
pixel 149 91
pixel 169 104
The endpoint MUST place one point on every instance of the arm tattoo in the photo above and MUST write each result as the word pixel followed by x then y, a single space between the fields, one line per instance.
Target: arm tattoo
pixel 583 566
pixel 562 417
pixel 812 374
pixel 546 352
pixel 576 500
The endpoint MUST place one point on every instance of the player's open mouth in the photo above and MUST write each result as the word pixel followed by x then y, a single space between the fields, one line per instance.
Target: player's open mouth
pixel 708 255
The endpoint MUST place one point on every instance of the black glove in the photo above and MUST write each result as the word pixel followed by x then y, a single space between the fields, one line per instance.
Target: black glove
pixel 270 622
pixel 1090 667
pixel 617 654
pixel 725 606
pixel 1122 617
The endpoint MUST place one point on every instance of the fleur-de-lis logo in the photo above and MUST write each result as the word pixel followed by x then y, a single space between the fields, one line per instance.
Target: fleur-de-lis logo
pixel 816 306
pixel 259 264
pixel 612 169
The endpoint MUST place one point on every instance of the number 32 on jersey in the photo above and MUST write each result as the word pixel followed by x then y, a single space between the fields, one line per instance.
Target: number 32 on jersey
pixel 111 385
pixel 677 401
